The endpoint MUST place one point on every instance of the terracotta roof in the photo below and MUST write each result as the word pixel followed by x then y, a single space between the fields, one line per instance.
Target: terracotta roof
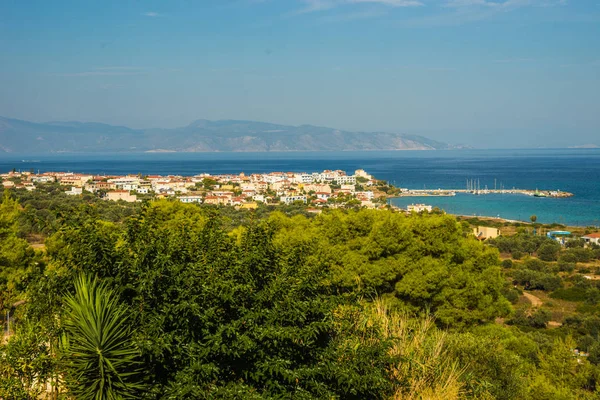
pixel 595 235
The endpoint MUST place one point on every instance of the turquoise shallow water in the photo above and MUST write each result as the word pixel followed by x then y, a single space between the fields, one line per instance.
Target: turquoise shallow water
pixel 572 170
pixel 514 206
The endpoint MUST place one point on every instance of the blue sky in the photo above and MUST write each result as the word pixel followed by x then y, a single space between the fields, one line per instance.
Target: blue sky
pixel 502 73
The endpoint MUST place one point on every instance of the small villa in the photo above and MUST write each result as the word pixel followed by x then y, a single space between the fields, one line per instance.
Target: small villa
pixel 592 238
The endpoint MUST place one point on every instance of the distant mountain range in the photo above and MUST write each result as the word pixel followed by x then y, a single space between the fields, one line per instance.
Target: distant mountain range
pixel 18 136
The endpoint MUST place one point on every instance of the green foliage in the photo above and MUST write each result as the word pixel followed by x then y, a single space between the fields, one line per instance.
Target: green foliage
pixel 575 243
pixel 491 371
pixel 25 363
pixel 16 257
pixel 570 294
pixel 549 251
pixel 48 209
pixel 533 280
pixel 520 244
pixel 577 254
pixel 537 318
pixel 99 360
pixel 211 302
pixel 512 294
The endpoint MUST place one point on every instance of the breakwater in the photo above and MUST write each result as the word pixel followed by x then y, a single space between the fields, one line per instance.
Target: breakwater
pixel 453 192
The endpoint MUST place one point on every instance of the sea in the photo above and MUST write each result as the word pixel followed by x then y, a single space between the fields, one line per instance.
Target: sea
pixel 570 170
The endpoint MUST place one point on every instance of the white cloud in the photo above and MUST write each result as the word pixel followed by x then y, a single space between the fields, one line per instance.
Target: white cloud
pixel 97 73
pixel 506 4
pixel 151 14
pixel 353 16
pixel 391 3
pixel 118 68
pixel 323 5
pixel 105 71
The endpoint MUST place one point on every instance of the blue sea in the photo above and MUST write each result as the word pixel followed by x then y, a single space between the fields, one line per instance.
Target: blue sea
pixel 571 170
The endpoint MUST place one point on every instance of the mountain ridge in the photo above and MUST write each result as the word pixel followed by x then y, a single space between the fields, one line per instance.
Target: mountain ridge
pixel 200 135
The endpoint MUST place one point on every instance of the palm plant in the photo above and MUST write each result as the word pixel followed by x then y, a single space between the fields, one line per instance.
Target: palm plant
pixel 100 360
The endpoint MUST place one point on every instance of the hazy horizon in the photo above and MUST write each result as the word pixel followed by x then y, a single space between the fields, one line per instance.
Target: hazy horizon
pixel 488 74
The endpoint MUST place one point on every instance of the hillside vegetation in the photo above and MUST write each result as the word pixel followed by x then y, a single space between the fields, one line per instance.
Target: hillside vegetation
pixel 172 301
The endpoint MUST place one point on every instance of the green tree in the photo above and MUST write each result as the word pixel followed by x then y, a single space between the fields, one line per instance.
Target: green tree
pixel 98 355
pixel 548 251
pixel 25 363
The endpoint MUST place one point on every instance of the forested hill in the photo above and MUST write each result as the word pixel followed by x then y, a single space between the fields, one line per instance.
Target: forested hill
pixel 18 136
pixel 166 300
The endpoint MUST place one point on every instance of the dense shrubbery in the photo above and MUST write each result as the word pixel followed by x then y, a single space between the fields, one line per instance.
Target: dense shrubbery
pixel 571 294
pixel 535 319
pixel 525 243
pixel 537 280
pixel 215 303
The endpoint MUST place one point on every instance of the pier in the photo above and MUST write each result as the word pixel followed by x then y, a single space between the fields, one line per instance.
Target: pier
pixel 453 192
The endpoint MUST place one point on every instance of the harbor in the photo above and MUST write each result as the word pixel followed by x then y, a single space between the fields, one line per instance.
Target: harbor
pixel 473 186
pixel 453 192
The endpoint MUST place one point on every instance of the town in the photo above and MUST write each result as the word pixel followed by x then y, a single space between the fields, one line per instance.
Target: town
pixel 317 189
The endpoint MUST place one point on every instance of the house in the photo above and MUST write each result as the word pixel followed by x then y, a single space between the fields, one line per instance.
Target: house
pixel 368 195
pixel 191 199
pixel 592 238
pixel 367 203
pixel 124 195
pixel 291 199
pixel 486 232
pixel 361 173
pixel 419 208
pixel 321 188
pixel 216 200
pixel 43 178
pixel 74 191
pixel 78 180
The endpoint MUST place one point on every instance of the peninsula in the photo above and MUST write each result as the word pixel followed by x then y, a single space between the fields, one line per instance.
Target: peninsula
pixel 329 188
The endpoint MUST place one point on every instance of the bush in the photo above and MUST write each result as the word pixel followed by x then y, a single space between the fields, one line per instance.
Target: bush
pixel 507 264
pixel 535 319
pixel 575 243
pixel 581 255
pixel 564 266
pixel 570 294
pixel 517 254
pixel 512 294
pixel 537 280
pixel 548 251
pixel 535 265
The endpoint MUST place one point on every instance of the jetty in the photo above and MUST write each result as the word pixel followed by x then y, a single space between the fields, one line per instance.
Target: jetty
pixel 453 192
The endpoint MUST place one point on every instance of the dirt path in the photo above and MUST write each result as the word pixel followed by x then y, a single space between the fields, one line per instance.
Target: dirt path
pixel 535 301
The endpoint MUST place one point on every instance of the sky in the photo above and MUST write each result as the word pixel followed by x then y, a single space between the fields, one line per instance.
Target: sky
pixel 489 74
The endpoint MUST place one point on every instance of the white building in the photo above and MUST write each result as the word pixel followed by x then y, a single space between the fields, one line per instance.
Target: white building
pixel 74 191
pixel 191 199
pixel 291 199
pixel 345 180
pixel 419 208
pixel 121 182
pixel 363 174
pixel 592 238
